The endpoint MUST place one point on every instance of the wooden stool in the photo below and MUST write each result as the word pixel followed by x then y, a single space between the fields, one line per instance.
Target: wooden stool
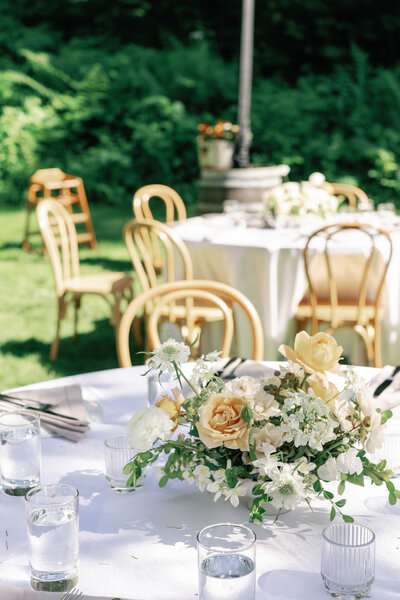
pixel 70 192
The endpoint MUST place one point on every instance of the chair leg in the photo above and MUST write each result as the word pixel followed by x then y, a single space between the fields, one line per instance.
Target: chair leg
pixel 61 314
pixel 377 346
pixel 77 304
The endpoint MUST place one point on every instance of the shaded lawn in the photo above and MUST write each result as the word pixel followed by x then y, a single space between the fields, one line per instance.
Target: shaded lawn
pixel 28 304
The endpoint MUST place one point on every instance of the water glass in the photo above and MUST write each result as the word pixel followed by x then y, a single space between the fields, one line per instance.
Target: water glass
pixel 53 527
pixel 226 562
pixel 20 452
pixel 348 560
pixel 158 385
pixel 117 453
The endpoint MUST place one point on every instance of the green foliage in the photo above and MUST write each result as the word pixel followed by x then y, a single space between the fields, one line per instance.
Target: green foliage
pixel 76 93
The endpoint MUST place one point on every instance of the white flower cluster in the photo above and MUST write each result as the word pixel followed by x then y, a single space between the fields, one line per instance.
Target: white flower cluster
pixel 215 483
pixel 306 420
pixel 312 197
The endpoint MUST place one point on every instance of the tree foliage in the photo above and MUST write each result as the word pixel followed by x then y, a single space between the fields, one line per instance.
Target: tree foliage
pixel 113 91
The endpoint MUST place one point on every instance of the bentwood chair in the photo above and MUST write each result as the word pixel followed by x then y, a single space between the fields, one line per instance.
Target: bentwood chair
pixel 173 206
pixel 60 239
pixel 152 243
pixel 189 293
pixel 157 195
pixel 346 191
pixel 346 266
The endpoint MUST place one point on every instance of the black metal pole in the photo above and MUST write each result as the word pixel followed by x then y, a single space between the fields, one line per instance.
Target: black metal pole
pixel 241 156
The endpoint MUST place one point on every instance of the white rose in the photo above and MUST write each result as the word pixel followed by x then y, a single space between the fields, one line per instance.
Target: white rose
pixel 146 426
pixel 317 179
pixel 349 462
pixel 375 435
pixel 328 471
pixel 266 439
pixel 244 387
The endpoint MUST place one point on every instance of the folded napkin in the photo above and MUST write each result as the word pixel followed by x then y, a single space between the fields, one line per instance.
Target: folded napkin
pixel 390 397
pixel 71 420
pixel 11 593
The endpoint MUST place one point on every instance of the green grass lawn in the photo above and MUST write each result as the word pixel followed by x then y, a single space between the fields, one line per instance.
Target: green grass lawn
pixel 28 304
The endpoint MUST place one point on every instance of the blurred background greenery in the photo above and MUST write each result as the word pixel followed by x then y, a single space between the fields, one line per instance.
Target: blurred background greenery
pixel 113 91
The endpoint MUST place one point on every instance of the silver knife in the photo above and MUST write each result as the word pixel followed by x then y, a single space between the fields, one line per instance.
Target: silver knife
pixel 382 386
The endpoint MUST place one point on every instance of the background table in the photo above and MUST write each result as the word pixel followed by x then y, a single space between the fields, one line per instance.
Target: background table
pixel 267 266
pixel 142 544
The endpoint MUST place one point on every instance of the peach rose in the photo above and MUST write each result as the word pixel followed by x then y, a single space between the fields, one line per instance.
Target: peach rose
pixel 316 354
pixel 171 407
pixel 327 394
pixel 221 422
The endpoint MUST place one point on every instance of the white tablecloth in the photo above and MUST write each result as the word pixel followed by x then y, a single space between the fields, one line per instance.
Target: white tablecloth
pixel 267 266
pixel 142 545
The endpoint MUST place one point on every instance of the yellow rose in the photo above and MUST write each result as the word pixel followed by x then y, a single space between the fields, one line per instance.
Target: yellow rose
pixel 171 407
pixel 315 354
pixel 327 394
pixel 221 422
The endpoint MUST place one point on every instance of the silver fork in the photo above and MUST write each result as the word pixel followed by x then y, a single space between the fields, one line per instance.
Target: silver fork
pixel 73 594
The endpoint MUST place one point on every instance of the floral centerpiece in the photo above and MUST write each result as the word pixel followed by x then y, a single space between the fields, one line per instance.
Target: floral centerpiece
pixel 278 439
pixel 312 197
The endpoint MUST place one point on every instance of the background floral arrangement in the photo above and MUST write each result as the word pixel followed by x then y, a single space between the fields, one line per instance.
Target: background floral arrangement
pixel 221 130
pixel 277 439
pixel 312 197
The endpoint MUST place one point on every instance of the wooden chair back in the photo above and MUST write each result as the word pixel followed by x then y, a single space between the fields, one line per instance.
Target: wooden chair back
pixel 354 277
pixel 174 206
pixel 153 245
pixel 221 295
pixel 60 238
pixel 353 194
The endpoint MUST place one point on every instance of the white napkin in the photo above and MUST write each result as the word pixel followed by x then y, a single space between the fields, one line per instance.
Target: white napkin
pixel 11 593
pixel 66 401
pixel 390 398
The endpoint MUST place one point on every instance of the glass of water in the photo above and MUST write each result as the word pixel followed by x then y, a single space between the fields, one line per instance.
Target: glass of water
pixel 226 562
pixel 20 452
pixel 348 560
pixel 117 453
pixel 158 385
pixel 53 528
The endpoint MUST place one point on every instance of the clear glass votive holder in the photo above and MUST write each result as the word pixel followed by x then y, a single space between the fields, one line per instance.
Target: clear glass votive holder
pixel 52 516
pixel 117 453
pixel 20 452
pixel 158 385
pixel 226 562
pixel 348 560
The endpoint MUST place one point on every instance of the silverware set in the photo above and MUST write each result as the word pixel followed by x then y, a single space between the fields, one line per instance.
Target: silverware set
pixel 230 367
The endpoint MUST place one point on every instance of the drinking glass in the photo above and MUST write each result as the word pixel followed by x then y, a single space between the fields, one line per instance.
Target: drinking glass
pixel 117 453
pixel 226 562
pixel 53 526
pixel 348 560
pixel 158 385
pixel 387 208
pixel 20 452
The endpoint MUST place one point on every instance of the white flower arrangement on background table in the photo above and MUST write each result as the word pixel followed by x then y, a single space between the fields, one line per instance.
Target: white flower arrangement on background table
pixel 278 439
pixel 312 197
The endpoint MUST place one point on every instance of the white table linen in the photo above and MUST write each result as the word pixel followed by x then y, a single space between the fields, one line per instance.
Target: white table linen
pixel 142 544
pixel 267 266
